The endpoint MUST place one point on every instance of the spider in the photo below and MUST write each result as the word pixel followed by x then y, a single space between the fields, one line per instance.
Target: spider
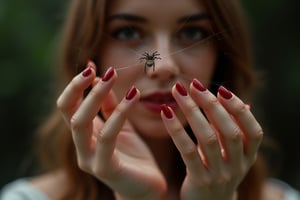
pixel 150 59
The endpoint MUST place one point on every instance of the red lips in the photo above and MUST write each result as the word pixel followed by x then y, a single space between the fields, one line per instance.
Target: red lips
pixel 154 100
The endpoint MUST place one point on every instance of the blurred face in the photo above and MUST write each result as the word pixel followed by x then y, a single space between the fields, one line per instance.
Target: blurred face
pixel 180 33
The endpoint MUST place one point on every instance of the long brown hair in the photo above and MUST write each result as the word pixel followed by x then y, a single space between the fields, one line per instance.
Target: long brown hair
pixel 82 38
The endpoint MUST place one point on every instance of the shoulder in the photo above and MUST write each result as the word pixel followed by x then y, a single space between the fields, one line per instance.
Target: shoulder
pixel 43 187
pixel 21 189
pixel 278 190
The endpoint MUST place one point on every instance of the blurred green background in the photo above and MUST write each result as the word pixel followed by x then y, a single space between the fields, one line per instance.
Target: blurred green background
pixel 28 38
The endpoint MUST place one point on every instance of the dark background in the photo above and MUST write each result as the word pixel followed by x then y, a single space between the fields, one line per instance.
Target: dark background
pixel 28 38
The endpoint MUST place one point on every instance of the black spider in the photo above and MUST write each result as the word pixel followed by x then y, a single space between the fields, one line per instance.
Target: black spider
pixel 150 59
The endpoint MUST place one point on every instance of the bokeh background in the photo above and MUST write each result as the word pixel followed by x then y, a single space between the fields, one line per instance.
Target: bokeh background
pixel 29 33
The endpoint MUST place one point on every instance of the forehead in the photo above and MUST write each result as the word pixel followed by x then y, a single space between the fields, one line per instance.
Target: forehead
pixel 156 8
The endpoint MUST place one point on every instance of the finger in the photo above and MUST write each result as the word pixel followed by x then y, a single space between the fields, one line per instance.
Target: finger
pixel 206 136
pixel 229 132
pixel 106 138
pixel 188 150
pixel 252 130
pixel 82 122
pixel 90 106
pixel 70 99
pixel 109 104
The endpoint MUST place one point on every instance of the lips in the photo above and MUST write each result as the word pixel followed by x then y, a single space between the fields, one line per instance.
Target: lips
pixel 153 101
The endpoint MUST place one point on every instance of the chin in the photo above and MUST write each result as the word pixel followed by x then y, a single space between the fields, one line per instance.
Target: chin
pixel 155 130
pixel 152 126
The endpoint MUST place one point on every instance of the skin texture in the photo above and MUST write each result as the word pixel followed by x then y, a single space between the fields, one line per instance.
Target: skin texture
pixel 159 35
pixel 127 149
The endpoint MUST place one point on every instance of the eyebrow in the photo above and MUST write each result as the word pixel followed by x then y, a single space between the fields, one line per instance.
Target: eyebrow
pixel 135 18
pixel 126 17
pixel 193 18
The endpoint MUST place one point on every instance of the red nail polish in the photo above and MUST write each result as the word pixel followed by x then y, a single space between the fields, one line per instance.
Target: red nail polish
pixel 166 110
pixel 180 88
pixel 108 74
pixel 226 94
pixel 87 72
pixel 198 85
pixel 131 93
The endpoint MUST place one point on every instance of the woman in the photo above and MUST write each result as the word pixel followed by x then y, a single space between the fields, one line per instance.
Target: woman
pixel 157 124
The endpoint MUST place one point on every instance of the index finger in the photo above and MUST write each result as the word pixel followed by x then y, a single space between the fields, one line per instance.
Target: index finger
pixel 71 97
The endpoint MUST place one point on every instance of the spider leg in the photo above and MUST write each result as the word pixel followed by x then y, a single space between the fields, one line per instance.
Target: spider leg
pixel 142 58
pixel 145 68
pixel 153 66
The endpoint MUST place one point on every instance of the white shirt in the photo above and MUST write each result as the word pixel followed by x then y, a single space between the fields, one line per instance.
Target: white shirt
pixel 20 189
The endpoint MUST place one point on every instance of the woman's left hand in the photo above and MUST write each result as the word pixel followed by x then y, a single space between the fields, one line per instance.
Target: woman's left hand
pixel 228 138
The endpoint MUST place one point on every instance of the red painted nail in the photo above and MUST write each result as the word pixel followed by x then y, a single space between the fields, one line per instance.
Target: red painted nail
pixel 87 72
pixel 108 74
pixel 224 92
pixel 166 110
pixel 198 85
pixel 131 93
pixel 180 88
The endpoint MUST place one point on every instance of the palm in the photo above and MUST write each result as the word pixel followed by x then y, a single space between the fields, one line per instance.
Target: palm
pixel 131 164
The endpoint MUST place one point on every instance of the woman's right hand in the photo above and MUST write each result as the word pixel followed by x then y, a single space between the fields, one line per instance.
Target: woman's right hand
pixel 110 150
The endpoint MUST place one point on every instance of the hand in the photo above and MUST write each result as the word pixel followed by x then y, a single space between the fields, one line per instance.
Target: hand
pixel 227 141
pixel 110 150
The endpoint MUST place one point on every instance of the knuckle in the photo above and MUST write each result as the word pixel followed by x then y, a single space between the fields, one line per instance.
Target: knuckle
pixel 223 179
pixel 253 159
pixel 191 153
pixel 204 181
pixel 240 171
pixel 191 109
pixel 103 138
pixel 75 85
pixel 176 130
pixel 75 123
pixel 212 139
pixel 240 109
pixel 93 93
pixel 236 134
pixel 258 134
pixel 59 103
pixel 212 103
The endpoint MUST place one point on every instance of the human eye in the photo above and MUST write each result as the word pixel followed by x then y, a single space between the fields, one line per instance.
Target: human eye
pixel 192 34
pixel 127 33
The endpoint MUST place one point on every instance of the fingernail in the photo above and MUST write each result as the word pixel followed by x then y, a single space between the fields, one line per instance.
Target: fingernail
pixel 226 94
pixel 198 85
pixel 180 88
pixel 87 72
pixel 131 93
pixel 108 74
pixel 166 110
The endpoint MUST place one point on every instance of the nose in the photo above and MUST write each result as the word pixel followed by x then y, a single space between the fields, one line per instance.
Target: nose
pixel 165 67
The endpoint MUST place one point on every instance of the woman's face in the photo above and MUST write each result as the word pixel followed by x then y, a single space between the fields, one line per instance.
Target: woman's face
pixel 180 31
